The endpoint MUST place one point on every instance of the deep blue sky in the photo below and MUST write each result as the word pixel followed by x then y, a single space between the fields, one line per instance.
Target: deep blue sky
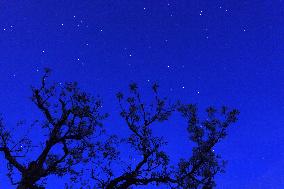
pixel 203 51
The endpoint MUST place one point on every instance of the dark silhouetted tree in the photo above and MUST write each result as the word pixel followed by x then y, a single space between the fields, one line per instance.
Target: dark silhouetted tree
pixel 70 119
pixel 73 122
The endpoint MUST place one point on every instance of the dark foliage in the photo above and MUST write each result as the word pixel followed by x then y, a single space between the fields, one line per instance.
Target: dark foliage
pixel 72 120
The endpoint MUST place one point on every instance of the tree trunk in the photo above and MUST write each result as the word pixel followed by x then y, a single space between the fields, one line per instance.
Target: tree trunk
pixel 22 185
pixel 27 184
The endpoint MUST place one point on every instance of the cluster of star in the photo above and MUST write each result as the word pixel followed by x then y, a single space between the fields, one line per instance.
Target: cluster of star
pixel 80 24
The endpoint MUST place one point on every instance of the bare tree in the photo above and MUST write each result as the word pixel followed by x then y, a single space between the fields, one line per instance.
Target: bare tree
pixel 72 121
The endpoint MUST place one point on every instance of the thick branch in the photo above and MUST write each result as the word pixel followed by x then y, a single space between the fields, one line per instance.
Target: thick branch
pixel 11 159
pixel 40 104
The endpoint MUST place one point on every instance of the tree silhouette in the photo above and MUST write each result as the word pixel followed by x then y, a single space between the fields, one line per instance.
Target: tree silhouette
pixel 72 119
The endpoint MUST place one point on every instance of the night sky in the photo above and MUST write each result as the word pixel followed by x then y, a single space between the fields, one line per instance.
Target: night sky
pixel 207 52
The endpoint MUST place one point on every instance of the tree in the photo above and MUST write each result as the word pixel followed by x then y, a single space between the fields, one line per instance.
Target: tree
pixel 73 122
pixel 70 119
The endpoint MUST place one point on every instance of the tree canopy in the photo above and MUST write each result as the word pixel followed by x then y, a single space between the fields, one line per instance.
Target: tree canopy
pixel 75 137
